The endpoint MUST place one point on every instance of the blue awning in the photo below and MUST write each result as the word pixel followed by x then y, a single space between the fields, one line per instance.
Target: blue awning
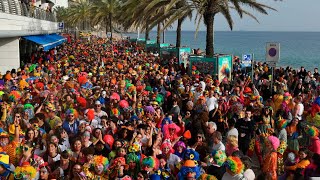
pixel 48 42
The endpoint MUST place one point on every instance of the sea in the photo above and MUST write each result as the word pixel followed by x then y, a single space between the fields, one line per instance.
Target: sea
pixel 296 48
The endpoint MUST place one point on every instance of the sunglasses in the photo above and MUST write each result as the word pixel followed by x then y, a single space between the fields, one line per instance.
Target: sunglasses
pixel 18 116
pixel 25 148
pixel 71 115
pixel 199 137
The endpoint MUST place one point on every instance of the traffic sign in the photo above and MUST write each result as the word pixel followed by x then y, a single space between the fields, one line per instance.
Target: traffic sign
pixel 273 52
pixel 60 25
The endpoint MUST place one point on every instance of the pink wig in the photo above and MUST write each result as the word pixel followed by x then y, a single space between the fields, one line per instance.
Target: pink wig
pixel 275 142
pixel 167 127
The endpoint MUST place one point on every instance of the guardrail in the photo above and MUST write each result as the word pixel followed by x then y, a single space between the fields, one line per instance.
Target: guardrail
pixel 17 7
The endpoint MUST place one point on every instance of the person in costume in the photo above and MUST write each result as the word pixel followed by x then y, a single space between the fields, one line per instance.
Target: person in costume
pixel 234 169
pixel 44 172
pixel 171 158
pixel 118 168
pixel 29 156
pixel 270 160
pixel 71 124
pixel 189 171
pixel 313 132
pixel 7 146
pixel 5 172
pixel 96 168
pixel 301 164
pixel 282 124
pixel 25 171
pixel 294 134
pixel 134 165
pixel 214 164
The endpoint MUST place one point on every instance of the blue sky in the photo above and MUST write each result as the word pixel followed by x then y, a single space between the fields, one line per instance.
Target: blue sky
pixel 291 15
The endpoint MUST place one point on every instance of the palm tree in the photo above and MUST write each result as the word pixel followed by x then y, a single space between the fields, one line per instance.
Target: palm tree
pixel 208 9
pixel 105 11
pixel 171 11
pixel 79 12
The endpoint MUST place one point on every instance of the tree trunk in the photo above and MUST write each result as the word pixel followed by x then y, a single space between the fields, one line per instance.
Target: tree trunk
pixel 147 32
pixel 110 25
pixel 209 18
pixel 178 40
pixel 158 33
pixel 107 25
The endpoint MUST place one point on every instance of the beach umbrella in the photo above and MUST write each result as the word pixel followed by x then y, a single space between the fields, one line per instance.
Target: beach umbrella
pixel 115 96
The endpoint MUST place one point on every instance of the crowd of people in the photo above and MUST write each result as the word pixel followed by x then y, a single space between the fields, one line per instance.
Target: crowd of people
pixel 100 110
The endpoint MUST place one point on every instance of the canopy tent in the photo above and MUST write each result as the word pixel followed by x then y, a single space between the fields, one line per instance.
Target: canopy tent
pixel 47 41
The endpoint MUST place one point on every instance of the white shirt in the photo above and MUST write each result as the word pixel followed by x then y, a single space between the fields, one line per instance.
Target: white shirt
pixel 98 116
pixel 249 174
pixel 301 109
pixel 212 103
pixel 219 146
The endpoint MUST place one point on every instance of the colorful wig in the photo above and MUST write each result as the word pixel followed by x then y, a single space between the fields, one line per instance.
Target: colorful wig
pixel 150 162
pixel 26 171
pixel 82 102
pixel 180 144
pixel 72 111
pixel 167 144
pixel 234 164
pixel 282 123
pixel 312 131
pixel 90 114
pixel 219 157
pixel 275 142
pixel 132 157
pixel 97 160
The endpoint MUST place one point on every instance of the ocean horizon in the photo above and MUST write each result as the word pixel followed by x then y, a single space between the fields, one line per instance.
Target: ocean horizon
pixel 296 48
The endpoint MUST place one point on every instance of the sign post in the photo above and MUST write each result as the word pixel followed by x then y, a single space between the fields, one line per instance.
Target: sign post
pixel 272 57
pixel 247 61
pixel 61 25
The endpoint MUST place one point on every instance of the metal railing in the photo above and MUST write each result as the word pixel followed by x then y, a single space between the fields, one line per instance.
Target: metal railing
pixel 17 7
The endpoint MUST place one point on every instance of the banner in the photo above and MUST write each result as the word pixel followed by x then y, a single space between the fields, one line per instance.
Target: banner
pixel 224 67
pixel 204 65
pixel 163 45
pixel 167 53
pixel 152 46
pixel 184 53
